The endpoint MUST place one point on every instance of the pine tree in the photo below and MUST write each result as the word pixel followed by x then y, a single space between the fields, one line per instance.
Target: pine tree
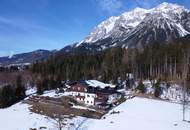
pixel 141 87
pixel 40 88
pixel 7 96
pixel 20 89
pixel 158 90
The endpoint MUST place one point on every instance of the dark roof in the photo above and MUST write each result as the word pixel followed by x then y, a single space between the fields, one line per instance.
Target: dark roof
pixel 102 91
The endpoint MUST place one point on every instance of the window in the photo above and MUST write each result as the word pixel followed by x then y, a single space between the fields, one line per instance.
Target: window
pixel 88 95
pixel 87 101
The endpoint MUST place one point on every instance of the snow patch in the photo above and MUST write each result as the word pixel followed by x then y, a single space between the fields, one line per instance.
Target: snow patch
pixel 96 83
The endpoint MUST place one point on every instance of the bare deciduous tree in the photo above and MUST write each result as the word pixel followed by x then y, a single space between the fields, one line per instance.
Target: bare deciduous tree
pixel 59 121
pixel 185 75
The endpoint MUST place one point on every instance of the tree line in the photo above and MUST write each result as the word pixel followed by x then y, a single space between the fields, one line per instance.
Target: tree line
pixel 12 93
pixel 105 65
pixel 161 61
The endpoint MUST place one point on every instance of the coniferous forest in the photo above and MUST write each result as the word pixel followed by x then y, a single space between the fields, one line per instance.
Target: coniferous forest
pixel 12 93
pixel 161 61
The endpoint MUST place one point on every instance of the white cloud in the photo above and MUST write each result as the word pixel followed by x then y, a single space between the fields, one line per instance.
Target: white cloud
pixel 110 6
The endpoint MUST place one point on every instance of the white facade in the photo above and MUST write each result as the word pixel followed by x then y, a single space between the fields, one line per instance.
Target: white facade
pixel 89 98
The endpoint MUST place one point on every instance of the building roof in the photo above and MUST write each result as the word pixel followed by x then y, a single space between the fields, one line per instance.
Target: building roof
pixel 96 83
pixel 107 90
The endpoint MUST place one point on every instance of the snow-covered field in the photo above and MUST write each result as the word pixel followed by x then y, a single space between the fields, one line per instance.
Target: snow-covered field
pixel 142 114
pixel 18 117
pixel 134 114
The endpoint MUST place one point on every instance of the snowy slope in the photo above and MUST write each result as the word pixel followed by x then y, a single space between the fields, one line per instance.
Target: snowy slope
pixel 142 114
pixel 135 114
pixel 18 117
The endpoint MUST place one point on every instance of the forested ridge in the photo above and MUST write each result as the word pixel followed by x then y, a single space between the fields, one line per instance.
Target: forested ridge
pixel 161 61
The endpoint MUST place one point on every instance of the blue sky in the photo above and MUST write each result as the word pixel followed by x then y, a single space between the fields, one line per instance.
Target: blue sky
pixel 27 25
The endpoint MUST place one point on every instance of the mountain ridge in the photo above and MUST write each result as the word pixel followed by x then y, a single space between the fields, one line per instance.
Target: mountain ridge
pixel 163 23
pixel 25 58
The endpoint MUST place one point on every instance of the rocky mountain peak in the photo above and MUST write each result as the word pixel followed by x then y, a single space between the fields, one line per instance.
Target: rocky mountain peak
pixel 139 27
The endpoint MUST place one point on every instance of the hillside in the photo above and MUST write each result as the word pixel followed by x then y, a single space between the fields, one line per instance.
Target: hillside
pixel 133 114
pixel 140 113
pixel 25 58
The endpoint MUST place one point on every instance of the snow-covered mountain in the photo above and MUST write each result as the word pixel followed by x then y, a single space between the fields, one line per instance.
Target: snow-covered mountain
pixel 139 27
pixel 117 26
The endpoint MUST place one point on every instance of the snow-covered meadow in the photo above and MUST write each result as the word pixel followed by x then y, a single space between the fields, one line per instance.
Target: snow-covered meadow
pixel 134 114
pixel 142 114
pixel 18 117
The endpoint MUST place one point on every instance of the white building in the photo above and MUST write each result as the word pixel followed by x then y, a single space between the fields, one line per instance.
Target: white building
pixel 92 95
